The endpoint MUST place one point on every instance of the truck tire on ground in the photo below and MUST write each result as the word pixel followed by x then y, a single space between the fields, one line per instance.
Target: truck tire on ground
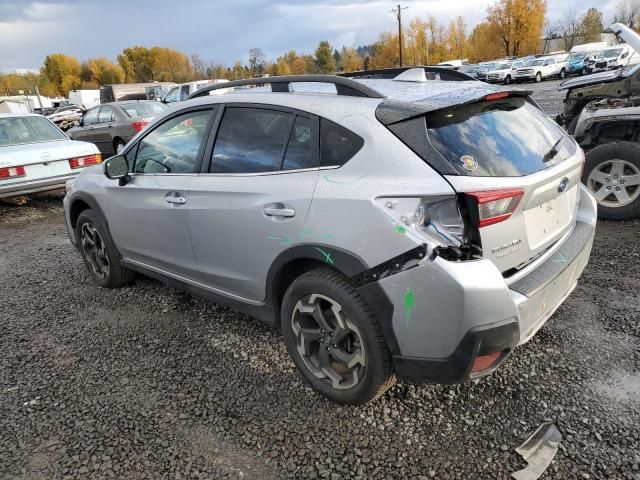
pixel 612 175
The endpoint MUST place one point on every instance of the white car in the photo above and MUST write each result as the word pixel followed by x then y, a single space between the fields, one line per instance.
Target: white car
pixel 504 72
pixel 181 92
pixel 615 57
pixel 541 68
pixel 36 156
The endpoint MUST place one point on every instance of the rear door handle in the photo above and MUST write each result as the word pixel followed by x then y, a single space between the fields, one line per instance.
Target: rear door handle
pixel 175 199
pixel 279 212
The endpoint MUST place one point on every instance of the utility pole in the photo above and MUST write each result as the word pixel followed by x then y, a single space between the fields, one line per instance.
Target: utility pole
pixel 398 12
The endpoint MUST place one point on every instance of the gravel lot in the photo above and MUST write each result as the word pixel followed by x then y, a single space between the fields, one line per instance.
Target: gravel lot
pixel 150 382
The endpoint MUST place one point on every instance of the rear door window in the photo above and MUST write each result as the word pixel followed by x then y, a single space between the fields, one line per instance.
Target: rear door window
pixel 105 115
pixel 504 138
pixel 251 140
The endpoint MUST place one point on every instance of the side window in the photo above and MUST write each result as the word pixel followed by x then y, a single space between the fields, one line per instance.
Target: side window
pixel 173 146
pixel 184 92
pixel 337 144
pixel 250 140
pixel 105 115
pixel 172 95
pixel 299 154
pixel 91 117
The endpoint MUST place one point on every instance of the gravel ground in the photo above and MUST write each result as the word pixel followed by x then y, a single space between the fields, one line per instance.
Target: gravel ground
pixel 149 382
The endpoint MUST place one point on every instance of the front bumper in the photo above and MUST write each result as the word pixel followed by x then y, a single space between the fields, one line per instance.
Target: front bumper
pixel 35 186
pixel 525 76
pixel 460 310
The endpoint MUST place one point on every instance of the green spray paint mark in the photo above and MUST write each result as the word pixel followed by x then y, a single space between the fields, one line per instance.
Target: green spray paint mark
pixel 399 228
pixel 409 304
pixel 285 240
pixel 561 259
pixel 327 256
pixel 328 179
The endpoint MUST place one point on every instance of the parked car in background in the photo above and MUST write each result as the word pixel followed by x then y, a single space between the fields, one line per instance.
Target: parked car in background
pixel 540 69
pixel 504 72
pixel 36 156
pixel 111 126
pixel 580 63
pixel 181 92
pixel 615 58
pixel 483 69
pixel 471 70
pixel 272 207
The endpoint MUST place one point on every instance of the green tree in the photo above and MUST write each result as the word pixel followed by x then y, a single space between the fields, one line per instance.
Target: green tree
pixel 61 72
pixel 325 62
pixel 257 61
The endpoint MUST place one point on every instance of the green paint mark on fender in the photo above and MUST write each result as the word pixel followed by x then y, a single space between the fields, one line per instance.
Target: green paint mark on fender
pixel 409 304
pixel 328 179
pixel 327 256
pixel 399 228
pixel 561 259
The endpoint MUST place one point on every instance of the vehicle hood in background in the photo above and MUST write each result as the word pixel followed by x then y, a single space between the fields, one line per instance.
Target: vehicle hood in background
pixel 33 153
pixel 601 77
pixel 628 35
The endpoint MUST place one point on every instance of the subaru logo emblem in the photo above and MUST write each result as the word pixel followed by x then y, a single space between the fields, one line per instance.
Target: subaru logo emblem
pixel 564 183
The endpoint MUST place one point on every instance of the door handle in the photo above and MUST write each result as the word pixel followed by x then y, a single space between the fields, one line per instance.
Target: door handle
pixel 279 212
pixel 175 199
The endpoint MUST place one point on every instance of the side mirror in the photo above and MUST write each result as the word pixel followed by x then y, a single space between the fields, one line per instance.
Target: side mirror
pixel 117 168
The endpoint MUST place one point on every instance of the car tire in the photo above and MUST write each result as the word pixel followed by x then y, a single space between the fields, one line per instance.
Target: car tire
pixel 118 146
pixel 606 167
pixel 99 253
pixel 562 74
pixel 583 71
pixel 538 77
pixel 507 80
pixel 357 368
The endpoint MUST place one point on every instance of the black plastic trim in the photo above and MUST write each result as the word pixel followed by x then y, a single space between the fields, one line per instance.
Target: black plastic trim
pixel 344 86
pixel 456 368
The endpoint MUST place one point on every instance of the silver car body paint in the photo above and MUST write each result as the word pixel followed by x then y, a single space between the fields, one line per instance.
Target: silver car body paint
pixel 365 207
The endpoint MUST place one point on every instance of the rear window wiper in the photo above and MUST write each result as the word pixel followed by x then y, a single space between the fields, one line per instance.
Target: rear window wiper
pixel 553 151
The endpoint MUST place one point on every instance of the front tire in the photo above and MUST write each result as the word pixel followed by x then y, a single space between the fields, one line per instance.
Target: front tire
pixel 562 74
pixel 612 175
pixel 99 253
pixel 538 77
pixel 334 339
pixel 507 80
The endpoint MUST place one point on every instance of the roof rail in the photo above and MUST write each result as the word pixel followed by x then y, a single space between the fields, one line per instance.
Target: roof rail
pixel 446 73
pixel 344 86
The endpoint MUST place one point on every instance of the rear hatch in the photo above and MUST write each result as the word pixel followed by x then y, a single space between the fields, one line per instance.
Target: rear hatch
pixel 516 173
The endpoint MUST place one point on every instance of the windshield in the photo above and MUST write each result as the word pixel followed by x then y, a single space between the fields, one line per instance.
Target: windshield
pixel 612 53
pixel 576 57
pixel 22 130
pixel 492 135
pixel 488 66
pixel 534 63
pixel 503 66
pixel 143 109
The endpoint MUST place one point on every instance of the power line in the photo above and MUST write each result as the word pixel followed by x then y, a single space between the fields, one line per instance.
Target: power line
pixel 398 12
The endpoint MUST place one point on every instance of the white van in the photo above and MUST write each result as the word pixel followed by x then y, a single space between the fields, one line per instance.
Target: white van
pixel 84 99
pixel 182 91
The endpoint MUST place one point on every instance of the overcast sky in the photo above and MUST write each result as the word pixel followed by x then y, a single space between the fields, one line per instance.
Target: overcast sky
pixel 220 31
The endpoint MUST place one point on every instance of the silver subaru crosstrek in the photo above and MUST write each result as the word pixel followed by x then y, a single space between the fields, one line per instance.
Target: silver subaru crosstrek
pixel 390 228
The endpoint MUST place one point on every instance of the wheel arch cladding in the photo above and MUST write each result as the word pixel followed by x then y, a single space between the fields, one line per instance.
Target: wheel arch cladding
pixel 299 259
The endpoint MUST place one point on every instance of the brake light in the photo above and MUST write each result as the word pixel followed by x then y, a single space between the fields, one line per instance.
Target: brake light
pixel 137 126
pixel 12 172
pixel 496 206
pixel 496 96
pixel 80 162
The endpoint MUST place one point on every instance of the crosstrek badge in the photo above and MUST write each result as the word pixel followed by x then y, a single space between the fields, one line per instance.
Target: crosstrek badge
pixel 468 162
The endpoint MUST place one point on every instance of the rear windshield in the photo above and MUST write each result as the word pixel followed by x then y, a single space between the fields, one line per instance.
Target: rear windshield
pixel 143 109
pixel 22 130
pixel 504 138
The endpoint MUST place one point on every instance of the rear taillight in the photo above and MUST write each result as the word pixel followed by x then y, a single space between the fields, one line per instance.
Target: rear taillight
pixel 80 162
pixel 11 172
pixel 495 206
pixel 137 126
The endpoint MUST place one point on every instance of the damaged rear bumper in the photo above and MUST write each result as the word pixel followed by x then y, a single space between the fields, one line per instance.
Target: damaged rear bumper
pixel 449 314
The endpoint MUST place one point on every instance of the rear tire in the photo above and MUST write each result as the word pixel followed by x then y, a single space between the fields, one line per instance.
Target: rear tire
pixel 538 77
pixel 118 146
pixel 334 339
pixel 562 74
pixel 612 175
pixel 99 253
